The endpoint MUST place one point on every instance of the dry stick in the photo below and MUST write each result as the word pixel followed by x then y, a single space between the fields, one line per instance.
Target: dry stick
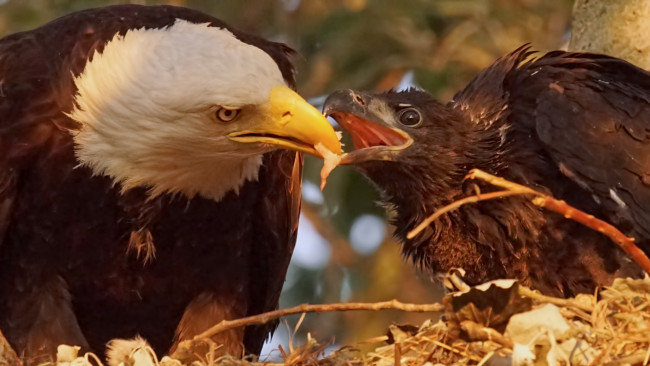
pixel 548 202
pixel 456 204
pixel 397 355
pixel 524 291
pixel 633 359
pixel 500 182
pixel 626 243
pixel 486 358
pixel 478 332
pixel 454 350
pixel 319 308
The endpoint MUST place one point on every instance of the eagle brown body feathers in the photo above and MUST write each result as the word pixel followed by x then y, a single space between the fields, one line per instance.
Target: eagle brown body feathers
pixel 80 261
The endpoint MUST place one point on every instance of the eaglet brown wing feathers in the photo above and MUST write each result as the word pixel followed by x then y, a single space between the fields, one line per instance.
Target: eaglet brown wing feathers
pixel 592 113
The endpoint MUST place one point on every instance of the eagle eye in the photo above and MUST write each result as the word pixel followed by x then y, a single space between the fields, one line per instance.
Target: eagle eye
pixel 410 117
pixel 227 114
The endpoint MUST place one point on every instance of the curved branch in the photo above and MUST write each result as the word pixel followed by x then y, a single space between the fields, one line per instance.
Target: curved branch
pixel 542 200
pixel 263 318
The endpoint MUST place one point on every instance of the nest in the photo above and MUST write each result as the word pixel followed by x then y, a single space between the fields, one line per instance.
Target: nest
pixel 496 323
pixel 502 323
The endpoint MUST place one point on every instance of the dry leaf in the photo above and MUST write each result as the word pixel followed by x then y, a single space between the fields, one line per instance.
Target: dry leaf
pixel 66 353
pixel 523 328
pixel 490 304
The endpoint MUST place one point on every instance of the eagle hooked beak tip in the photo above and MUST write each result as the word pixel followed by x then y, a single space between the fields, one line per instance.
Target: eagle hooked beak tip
pixel 292 123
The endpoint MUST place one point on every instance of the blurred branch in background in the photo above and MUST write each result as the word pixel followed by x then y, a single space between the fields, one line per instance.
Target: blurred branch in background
pixel 342 253
pixel 359 44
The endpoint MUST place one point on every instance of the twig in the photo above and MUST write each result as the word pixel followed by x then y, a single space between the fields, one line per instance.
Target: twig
pixel 397 355
pixel 455 276
pixel 624 242
pixel 486 358
pixel 456 204
pixel 263 318
pixel 569 303
pixel 633 359
pixel 372 340
pixel 500 182
pixel 454 350
pixel 477 332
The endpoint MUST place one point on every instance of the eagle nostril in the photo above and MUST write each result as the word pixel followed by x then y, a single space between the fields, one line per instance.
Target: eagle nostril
pixel 358 99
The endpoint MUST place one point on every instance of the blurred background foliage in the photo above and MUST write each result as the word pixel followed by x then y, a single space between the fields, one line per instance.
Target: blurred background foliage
pixel 345 250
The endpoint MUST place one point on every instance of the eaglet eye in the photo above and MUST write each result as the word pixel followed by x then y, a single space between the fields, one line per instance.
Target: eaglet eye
pixel 410 117
pixel 227 114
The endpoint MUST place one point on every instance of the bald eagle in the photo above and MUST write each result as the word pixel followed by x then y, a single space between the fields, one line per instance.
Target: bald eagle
pixel 150 175
pixel 572 125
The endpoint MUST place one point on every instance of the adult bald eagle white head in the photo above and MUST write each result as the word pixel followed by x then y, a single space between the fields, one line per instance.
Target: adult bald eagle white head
pixel 146 182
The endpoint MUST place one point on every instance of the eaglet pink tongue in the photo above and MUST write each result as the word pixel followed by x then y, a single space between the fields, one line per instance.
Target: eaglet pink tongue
pixel 364 134
pixel 367 134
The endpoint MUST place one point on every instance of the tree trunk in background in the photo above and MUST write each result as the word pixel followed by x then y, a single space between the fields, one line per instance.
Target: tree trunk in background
pixel 619 28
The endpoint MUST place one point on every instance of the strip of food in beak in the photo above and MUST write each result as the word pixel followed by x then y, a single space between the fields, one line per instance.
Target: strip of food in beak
pixel 330 161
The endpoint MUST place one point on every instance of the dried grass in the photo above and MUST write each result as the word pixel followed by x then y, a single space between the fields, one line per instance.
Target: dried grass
pixel 611 327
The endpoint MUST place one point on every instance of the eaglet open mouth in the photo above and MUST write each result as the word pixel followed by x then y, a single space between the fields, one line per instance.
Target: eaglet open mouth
pixel 370 138
pixel 363 117
pixel 371 142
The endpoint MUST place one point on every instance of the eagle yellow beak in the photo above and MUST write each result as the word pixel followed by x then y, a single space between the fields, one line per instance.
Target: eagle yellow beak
pixel 292 123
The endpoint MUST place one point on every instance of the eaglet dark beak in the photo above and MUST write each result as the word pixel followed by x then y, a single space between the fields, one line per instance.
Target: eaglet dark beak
pixel 364 118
